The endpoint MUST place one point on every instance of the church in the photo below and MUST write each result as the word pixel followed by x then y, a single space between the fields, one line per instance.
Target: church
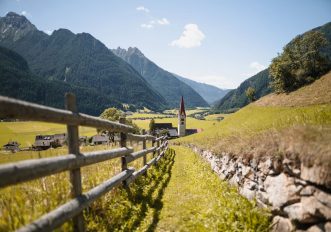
pixel 180 131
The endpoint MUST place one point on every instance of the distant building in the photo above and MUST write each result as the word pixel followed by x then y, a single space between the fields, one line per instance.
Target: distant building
pixel 43 142
pixel 60 138
pixel 99 139
pixel 174 132
pixel 12 146
pixel 181 119
pixel 162 126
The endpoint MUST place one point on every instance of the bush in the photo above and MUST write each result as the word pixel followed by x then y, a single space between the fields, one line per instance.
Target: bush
pixel 250 93
pixel 300 63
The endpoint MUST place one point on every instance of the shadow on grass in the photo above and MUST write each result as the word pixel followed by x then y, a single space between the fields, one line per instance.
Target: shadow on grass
pixel 149 192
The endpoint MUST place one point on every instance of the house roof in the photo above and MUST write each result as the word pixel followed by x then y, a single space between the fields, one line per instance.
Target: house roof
pixel 163 125
pixel 99 138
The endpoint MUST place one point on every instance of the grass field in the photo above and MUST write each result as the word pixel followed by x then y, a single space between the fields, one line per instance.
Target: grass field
pixel 25 132
pixel 204 202
pixel 23 203
pixel 144 115
pixel 191 123
pixel 254 119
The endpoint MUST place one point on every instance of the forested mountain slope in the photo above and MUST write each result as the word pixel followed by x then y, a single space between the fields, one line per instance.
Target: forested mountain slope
pixel 77 59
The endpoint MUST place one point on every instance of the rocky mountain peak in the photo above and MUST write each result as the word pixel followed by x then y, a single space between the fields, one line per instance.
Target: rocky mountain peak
pixel 121 52
pixel 136 51
pixel 14 26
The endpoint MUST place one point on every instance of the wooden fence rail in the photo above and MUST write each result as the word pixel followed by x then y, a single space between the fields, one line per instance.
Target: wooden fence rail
pixel 18 172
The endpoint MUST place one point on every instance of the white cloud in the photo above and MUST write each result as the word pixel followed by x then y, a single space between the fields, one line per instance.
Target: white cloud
pixel 25 13
pixel 156 22
pixel 257 66
pixel 48 32
pixel 163 21
pixel 191 37
pixel 142 8
pixel 146 26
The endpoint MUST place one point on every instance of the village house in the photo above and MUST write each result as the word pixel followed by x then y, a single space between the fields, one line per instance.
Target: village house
pixel 99 139
pixel 60 138
pixel 12 146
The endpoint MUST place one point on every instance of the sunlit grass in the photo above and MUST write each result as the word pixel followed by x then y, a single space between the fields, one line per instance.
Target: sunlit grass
pixel 24 132
pixel 144 115
pixel 254 119
pixel 197 200
pixel 21 204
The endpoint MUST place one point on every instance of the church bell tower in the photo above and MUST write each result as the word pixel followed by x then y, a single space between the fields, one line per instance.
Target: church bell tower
pixel 181 119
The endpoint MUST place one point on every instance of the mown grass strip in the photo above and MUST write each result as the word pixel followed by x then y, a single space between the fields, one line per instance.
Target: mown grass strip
pixel 197 200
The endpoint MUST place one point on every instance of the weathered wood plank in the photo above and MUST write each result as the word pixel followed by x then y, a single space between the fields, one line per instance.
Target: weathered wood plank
pixel 75 174
pixel 60 215
pixel 12 108
pixel 141 171
pixel 139 154
pixel 144 147
pixel 14 173
pixel 140 137
pixel 160 138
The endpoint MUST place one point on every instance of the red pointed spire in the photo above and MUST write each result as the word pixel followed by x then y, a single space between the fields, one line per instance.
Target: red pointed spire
pixel 182 107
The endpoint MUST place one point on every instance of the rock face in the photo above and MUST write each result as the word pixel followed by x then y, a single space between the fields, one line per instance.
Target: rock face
pixel 299 197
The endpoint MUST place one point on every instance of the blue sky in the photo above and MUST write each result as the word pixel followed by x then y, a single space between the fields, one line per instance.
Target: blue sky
pixel 211 41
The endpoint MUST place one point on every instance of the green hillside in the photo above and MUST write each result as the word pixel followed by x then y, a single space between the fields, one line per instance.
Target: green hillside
pixel 77 59
pixel 17 81
pixel 296 124
pixel 237 98
pixel 162 81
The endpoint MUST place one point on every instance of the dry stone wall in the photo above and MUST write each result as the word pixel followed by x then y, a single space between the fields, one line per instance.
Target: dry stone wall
pixel 299 197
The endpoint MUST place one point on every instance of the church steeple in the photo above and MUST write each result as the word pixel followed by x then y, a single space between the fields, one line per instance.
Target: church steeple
pixel 182 107
pixel 181 119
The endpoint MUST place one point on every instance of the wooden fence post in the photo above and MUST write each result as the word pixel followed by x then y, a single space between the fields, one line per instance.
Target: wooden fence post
pixel 144 147
pixel 153 144
pixel 123 139
pixel 158 145
pixel 73 147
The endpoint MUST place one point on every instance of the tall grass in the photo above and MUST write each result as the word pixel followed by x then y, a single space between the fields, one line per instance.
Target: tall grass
pixel 21 204
pixel 254 119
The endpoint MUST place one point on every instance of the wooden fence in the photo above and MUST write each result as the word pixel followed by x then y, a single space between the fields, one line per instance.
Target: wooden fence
pixel 18 172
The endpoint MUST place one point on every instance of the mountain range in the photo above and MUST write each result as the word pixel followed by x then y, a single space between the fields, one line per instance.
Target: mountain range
pixel 18 81
pixel 169 86
pixel 237 98
pixel 79 62
pixel 209 92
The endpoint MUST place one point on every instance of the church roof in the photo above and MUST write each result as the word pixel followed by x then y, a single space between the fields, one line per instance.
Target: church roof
pixel 182 107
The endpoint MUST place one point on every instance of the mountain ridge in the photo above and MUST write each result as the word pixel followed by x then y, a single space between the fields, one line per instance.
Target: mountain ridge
pixel 18 82
pixel 209 92
pixel 163 81
pixel 78 59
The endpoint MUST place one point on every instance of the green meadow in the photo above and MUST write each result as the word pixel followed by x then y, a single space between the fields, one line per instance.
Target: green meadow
pixel 24 132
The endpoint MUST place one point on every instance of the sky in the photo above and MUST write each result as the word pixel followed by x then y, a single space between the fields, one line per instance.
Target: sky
pixel 219 42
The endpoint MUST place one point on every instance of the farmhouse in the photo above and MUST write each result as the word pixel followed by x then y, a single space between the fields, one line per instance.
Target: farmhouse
pixel 60 138
pixel 12 146
pixel 99 139
pixel 43 142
